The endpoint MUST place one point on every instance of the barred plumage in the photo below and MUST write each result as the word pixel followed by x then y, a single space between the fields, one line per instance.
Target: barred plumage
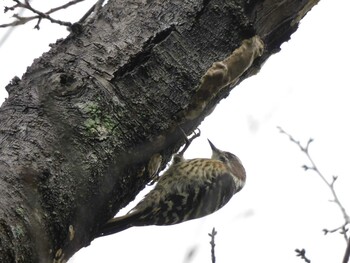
pixel 189 189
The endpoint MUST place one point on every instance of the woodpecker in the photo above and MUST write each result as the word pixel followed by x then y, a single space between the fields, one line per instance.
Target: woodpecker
pixel 189 189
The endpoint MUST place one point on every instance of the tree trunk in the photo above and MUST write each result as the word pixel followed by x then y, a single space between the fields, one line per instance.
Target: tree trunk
pixel 82 129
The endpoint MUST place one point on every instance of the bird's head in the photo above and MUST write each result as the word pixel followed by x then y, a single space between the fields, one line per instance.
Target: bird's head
pixel 232 161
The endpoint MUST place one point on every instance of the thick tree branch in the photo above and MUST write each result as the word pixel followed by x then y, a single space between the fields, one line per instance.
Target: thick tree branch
pixel 80 128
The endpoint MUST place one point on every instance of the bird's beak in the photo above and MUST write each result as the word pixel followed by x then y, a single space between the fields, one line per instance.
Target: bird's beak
pixel 215 150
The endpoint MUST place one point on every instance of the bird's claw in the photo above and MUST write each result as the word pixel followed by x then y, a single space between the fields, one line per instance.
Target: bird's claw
pixel 189 140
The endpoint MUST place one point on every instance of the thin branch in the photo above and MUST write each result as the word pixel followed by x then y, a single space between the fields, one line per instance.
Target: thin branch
pixel 39 15
pixel 42 15
pixel 20 20
pixel 212 244
pixel 73 2
pixel 347 253
pixel 87 14
pixel 343 230
pixel 8 31
pixel 94 9
pixel 315 168
pixel 302 253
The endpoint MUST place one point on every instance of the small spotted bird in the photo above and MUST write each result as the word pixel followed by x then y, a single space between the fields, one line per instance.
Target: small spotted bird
pixel 189 189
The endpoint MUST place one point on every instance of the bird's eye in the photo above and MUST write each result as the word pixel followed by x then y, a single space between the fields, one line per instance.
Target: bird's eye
pixel 222 158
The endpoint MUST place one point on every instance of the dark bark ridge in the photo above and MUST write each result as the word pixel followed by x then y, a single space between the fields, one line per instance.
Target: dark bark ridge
pixel 79 129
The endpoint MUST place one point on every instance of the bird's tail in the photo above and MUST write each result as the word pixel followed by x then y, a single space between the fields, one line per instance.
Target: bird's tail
pixel 117 224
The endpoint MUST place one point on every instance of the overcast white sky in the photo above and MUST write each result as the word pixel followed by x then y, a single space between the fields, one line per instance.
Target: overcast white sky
pixel 305 89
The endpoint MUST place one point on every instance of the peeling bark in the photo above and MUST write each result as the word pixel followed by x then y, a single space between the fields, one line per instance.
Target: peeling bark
pixel 81 128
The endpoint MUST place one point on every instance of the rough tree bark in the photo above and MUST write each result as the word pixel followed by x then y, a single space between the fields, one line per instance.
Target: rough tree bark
pixel 81 128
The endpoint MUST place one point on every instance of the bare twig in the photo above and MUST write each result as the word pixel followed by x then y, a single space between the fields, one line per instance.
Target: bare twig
pixel 9 30
pixel 315 168
pixel 343 230
pixel 39 15
pixel 73 2
pixel 94 10
pixel 212 244
pixel 302 253
pixel 87 14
